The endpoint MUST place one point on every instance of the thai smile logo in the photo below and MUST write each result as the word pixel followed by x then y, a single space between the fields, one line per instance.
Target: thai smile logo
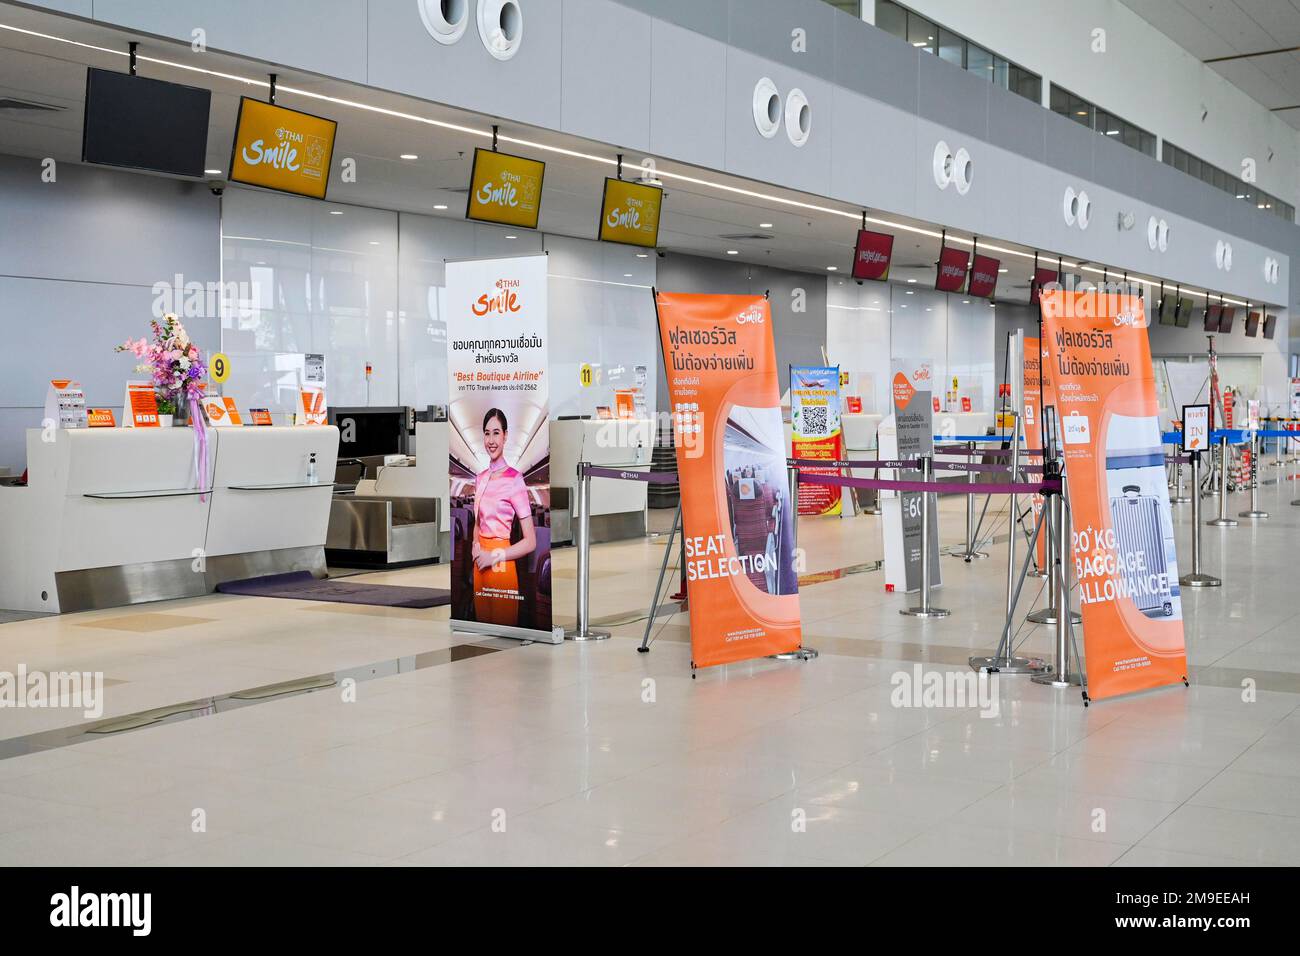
pixel 503 299
pixel 903 390
pixel 751 316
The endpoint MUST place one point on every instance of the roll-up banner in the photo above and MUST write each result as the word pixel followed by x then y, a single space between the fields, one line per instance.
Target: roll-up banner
pixel 737 516
pixel 1122 534
pixel 1038 393
pixel 499 447
pixel 815 432
pixel 911 436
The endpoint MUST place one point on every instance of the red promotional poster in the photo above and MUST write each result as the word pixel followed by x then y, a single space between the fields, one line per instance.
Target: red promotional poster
pixel 1121 532
pixel 1042 277
pixel 983 276
pixel 737 516
pixel 951 274
pixel 872 254
pixel 816 433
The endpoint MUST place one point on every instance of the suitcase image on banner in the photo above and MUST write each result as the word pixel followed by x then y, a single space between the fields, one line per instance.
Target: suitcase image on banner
pixel 1137 528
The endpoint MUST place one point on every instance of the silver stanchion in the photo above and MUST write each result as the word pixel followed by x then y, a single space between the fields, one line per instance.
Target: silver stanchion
pixel 1178 498
pixel 971 553
pixel 1256 447
pixel 925 609
pixel 582 542
pixel 1223 521
pixel 1197 579
pixel 1061 675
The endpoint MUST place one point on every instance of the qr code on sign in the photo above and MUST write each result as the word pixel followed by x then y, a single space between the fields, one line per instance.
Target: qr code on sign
pixel 814 420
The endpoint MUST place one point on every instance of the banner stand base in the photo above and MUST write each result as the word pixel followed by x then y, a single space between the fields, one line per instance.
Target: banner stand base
pixel 553 636
pixel 1047 615
pixel 1053 679
pixel 1009 665
pixel 969 556
pixel 1199 581
pixel 802 654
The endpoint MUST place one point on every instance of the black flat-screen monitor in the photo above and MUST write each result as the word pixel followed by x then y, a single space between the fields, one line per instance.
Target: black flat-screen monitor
pixel 141 123
pixel 1168 309
pixel 1270 326
pixel 1252 325
pixel 1212 317
pixel 1183 314
pixel 364 432
pixel 1225 319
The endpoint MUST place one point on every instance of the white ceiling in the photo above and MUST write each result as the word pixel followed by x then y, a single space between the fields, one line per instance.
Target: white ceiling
pixel 1210 29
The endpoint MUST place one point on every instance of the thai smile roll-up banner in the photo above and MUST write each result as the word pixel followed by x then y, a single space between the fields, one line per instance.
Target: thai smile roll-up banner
pixel 499 446
pixel 1121 532
pixel 816 433
pixel 737 515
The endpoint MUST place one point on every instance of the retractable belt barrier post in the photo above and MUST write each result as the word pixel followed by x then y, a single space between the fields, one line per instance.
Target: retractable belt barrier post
pixel 971 553
pixel 1196 579
pixel 1257 448
pixel 1223 521
pixel 924 609
pixel 582 542
pixel 1176 496
pixel 1061 675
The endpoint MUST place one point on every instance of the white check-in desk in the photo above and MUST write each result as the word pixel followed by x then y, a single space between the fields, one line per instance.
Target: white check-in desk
pixel 962 423
pixel 618 508
pixel 119 516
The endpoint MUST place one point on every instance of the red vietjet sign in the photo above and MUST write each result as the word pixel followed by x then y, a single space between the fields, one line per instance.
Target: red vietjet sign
pixel 872 254
pixel 951 275
pixel 983 277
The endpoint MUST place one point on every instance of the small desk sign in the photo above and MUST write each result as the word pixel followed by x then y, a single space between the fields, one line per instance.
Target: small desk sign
pixel 260 416
pixel 221 411
pixel 65 404
pixel 100 418
pixel 140 406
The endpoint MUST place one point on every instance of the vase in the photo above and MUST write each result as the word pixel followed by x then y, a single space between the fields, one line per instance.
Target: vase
pixel 165 421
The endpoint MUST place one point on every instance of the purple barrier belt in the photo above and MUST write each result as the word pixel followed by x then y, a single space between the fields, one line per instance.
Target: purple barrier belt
pixel 841 463
pixel 943 489
pixel 653 477
pixel 976 466
pixel 1177 459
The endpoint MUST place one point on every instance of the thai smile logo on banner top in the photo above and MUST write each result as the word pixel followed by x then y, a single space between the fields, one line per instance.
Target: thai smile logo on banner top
pixel 499 446
pixel 816 433
pixel 1122 534
pixel 737 515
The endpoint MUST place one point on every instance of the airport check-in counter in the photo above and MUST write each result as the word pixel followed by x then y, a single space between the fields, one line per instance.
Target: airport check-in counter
pixel 618 508
pixel 401 515
pixel 118 516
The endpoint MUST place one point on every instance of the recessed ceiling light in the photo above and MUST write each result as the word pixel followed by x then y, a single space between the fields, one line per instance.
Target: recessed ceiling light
pixel 733 252
pixel 832 268
pixel 512 237
pixel 440 206
pixel 764 225
pixel 911 280
pixel 409 156
pixel 627 275
pixel 910 292
pixel 211 172
pixel 374 242
pixel 965 301
pixel 336 212
pixel 643 255
pixel 1002 270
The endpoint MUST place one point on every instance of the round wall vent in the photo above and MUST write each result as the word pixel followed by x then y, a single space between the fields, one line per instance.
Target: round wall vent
pixel 1070 207
pixel 798 117
pixel 445 19
pixel 1083 209
pixel 943 164
pixel 501 27
pixel 767 107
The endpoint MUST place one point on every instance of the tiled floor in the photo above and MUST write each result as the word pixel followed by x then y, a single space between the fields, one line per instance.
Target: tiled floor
pixel 594 754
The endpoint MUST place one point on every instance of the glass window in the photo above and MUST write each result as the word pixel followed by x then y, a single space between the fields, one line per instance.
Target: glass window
pixel 1149 144
pixel 848 6
pixel 951 48
pixel 891 18
pixel 921 32
pixel 1193 167
pixel 979 61
pixel 999 75
pixel 1027 84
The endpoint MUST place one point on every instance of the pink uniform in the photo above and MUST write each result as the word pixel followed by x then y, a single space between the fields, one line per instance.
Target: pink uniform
pixel 499 495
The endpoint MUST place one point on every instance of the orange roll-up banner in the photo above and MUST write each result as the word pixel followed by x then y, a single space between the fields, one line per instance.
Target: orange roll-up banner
pixel 1121 532
pixel 737 516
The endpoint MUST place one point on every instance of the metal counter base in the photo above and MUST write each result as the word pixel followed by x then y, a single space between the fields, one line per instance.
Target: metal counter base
pixel 388 532
pixel 93 589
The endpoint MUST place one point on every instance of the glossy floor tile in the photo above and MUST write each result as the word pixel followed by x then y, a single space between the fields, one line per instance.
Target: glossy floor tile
pixel 411 754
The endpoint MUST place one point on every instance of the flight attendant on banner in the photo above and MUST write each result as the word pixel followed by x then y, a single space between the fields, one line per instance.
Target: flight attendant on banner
pixel 500 496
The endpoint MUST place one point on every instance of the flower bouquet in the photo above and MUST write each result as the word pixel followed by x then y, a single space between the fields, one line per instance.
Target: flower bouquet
pixel 178 371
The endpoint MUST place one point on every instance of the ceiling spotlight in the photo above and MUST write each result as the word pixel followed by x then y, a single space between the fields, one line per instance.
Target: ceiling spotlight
pixel 764 225
pixel 512 237
pixel 832 268
pixel 627 275
pixel 336 212
pixel 643 255
pixel 911 280
pixel 440 206
pixel 733 252
pixel 909 292
pixel 211 172
pixel 409 156
pixel 1002 270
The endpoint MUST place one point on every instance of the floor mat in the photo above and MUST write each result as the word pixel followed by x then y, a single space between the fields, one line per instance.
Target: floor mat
pixel 303 586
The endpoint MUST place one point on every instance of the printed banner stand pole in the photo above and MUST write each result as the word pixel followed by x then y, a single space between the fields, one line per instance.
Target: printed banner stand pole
pixel 582 541
pixel 644 647
pixel 1060 674
pixel 1177 497
pixel 1196 579
pixel 971 553
pixel 1257 448
pixel 924 609
pixel 1223 521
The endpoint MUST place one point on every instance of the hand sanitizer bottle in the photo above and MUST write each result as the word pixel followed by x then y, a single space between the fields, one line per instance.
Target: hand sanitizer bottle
pixel 311 469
